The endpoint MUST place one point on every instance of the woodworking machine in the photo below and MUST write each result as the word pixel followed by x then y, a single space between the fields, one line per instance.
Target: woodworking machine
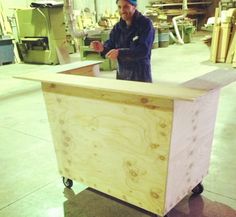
pixel 41 32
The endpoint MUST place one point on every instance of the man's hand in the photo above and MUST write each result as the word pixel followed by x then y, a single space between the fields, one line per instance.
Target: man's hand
pixel 96 46
pixel 113 54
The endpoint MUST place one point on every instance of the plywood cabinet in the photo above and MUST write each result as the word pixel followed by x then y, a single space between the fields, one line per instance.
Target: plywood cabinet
pixel 146 144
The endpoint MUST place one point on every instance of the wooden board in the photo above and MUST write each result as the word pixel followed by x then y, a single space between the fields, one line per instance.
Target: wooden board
pixel 191 144
pixel 3 21
pixel 232 46
pixel 112 142
pixel 164 90
pixel 225 36
pixel 62 52
pixel 212 80
pixel 84 67
pixel 7 30
pixel 215 37
pixel 234 60
pixel 91 70
pixel 223 43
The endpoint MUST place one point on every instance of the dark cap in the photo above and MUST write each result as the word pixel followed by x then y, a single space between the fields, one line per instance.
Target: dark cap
pixel 132 2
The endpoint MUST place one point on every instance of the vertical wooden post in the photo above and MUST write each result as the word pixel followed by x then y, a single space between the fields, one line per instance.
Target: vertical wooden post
pixel 6 28
pixel 234 58
pixel 215 37
pixel 232 46
pixel 223 43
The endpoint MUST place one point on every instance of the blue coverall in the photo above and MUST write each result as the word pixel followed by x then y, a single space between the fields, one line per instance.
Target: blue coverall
pixel 134 43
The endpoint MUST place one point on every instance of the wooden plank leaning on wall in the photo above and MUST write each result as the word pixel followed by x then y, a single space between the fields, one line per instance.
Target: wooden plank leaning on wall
pixel 224 36
pixel 231 57
pixel 7 30
pixel 232 46
pixel 215 37
pixel 223 46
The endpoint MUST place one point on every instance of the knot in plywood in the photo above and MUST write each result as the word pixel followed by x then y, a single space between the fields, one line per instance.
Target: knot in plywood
pixel 161 157
pixel 154 194
pixel 52 86
pixel 154 146
pixel 144 100
pixel 133 171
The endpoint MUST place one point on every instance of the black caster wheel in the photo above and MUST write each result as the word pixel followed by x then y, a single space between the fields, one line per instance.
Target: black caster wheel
pixel 67 182
pixel 198 189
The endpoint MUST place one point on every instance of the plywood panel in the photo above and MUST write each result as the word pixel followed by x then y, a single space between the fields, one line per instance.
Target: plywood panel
pixel 191 143
pixel 113 145
pixel 232 45
pixel 160 90
pixel 234 59
pixel 223 42
pixel 70 67
pixel 6 28
pixel 91 70
pixel 215 37
pixel 212 80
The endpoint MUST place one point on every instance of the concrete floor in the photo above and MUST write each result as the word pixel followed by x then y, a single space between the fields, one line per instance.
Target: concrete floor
pixel 30 184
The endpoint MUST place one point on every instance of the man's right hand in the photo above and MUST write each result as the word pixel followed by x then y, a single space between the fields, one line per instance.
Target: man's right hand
pixel 96 46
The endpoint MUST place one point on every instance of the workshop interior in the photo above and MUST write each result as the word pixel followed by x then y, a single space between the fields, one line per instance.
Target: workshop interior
pixel 77 142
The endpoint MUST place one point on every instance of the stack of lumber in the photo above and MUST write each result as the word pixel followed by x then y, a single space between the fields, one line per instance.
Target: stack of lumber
pixel 223 46
pixel 226 4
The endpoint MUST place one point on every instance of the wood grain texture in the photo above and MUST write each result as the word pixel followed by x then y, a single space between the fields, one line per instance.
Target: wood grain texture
pixel 215 37
pixel 191 143
pixel 102 95
pixel 232 46
pixel 234 60
pixel 212 80
pixel 90 70
pixel 118 148
pixel 223 44
pixel 62 52
pixel 160 90
pixel 146 144
pixel 69 67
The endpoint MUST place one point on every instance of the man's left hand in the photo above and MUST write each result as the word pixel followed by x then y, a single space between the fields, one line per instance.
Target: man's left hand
pixel 113 54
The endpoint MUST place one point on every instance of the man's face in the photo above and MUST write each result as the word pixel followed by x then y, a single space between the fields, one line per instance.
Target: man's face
pixel 126 10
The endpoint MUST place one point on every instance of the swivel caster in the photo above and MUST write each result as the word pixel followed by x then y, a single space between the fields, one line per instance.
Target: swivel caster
pixel 198 189
pixel 67 182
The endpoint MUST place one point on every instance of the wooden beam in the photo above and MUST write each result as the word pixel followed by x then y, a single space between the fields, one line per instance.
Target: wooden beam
pixel 234 59
pixel 232 46
pixel 223 43
pixel 212 80
pixel 4 22
pixel 164 90
pixel 215 37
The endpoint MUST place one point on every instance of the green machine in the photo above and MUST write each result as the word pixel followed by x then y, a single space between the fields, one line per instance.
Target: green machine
pixel 86 52
pixel 41 32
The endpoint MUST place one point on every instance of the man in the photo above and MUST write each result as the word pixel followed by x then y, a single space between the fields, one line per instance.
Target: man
pixel 130 43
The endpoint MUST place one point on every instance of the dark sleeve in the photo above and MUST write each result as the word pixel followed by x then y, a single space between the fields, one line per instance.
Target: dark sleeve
pixel 110 43
pixel 143 46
